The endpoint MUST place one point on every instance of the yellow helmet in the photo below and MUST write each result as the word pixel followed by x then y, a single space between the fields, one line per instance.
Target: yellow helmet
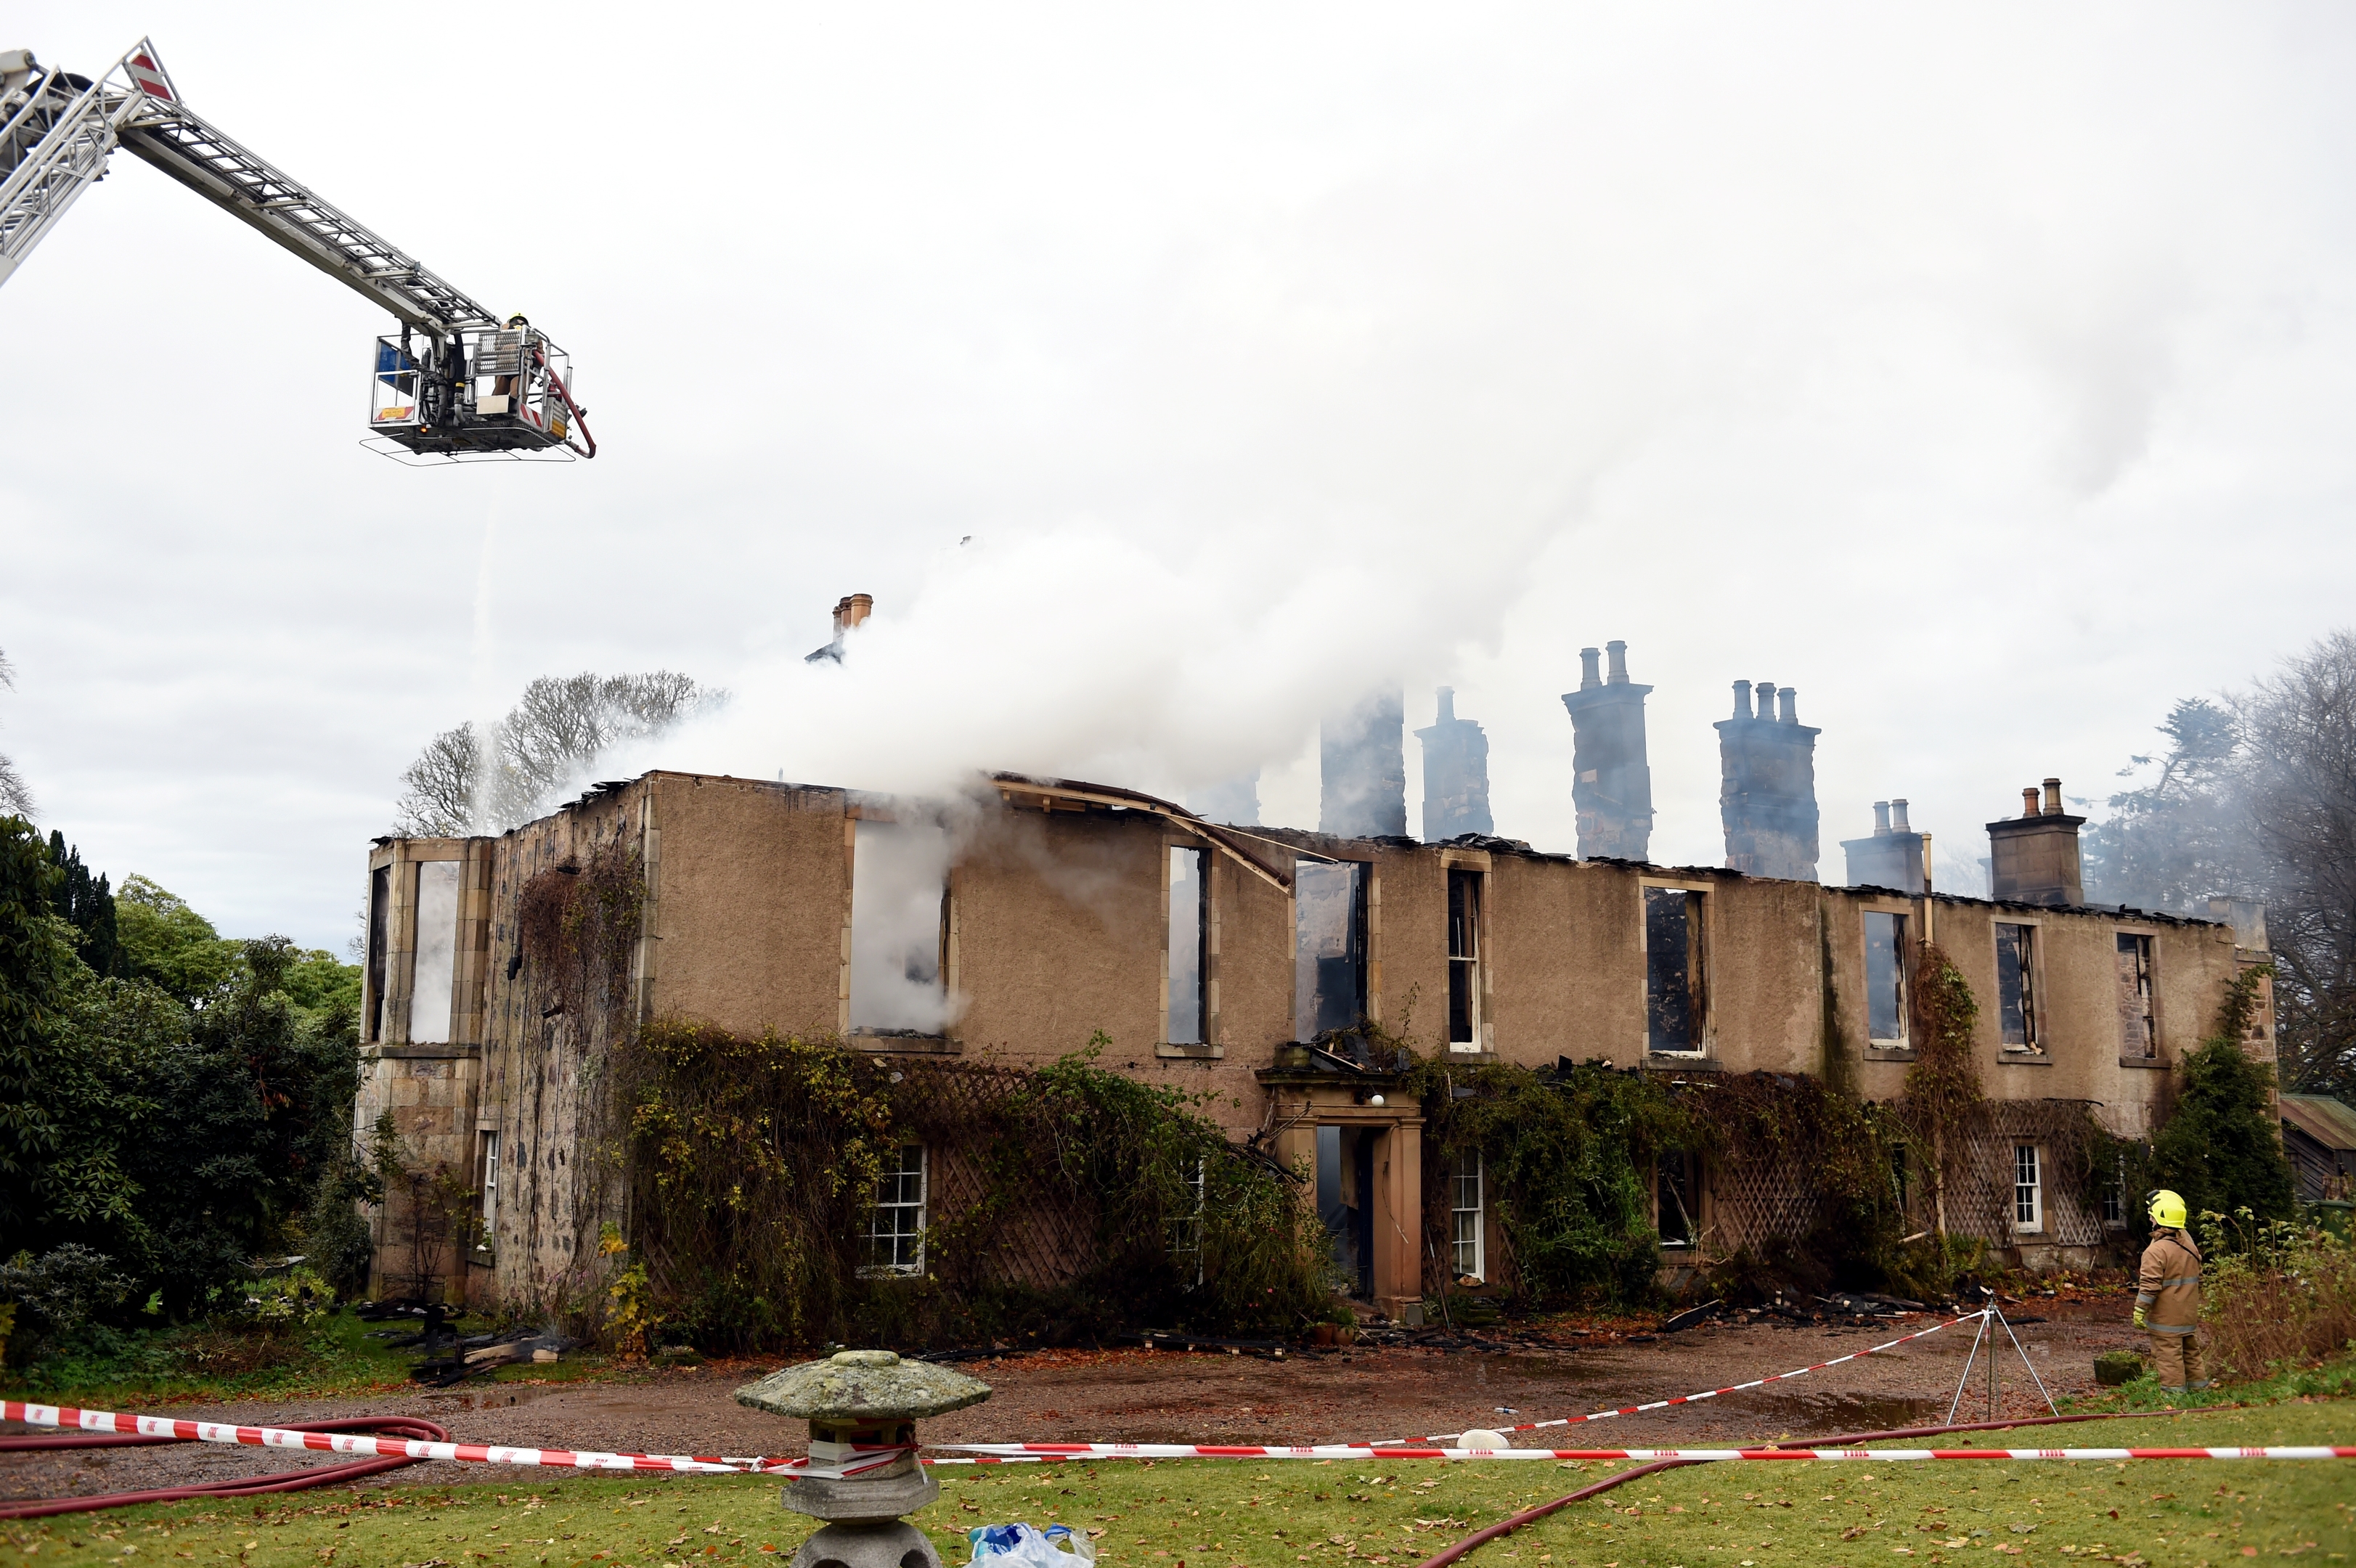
pixel 2167 1209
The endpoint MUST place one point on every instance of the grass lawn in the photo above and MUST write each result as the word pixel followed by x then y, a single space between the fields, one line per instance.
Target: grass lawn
pixel 1218 1513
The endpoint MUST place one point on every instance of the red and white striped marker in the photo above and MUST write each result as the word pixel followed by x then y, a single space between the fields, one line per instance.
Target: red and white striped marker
pixel 147 73
pixel 1647 1455
pixel 68 1418
pixel 1697 1398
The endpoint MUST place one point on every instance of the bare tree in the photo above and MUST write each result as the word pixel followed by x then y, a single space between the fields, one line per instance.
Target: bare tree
pixel 469 780
pixel 13 796
pixel 2298 735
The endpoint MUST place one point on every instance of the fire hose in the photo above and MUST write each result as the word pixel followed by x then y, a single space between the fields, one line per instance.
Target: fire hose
pixel 238 1486
pixel 1441 1559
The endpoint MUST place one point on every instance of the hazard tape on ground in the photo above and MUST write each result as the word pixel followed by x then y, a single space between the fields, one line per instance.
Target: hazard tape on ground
pixel 1647 1455
pixel 68 1418
pixel 1697 1398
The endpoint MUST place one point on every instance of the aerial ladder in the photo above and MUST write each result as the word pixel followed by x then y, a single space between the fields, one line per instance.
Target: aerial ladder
pixel 454 383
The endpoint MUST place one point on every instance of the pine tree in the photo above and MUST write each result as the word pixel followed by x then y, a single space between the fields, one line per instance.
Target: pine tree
pixel 87 905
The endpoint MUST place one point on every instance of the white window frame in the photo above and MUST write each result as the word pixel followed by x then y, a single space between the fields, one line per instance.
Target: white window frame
pixel 2027 1188
pixel 1474 1218
pixel 899 1266
pixel 1477 878
pixel 1900 1041
pixel 490 1170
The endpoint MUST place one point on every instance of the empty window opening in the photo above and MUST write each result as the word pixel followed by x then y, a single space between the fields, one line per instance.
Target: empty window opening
pixel 899 928
pixel 1329 975
pixel 1677 1195
pixel 2016 985
pixel 1897 1176
pixel 490 1185
pixel 2115 1195
pixel 2138 1031
pixel 1190 938
pixel 2028 1189
pixel 1345 1187
pixel 1673 994
pixel 433 974
pixel 1885 978
pixel 1466 1254
pixel 895 1240
pixel 1464 961
pixel 379 917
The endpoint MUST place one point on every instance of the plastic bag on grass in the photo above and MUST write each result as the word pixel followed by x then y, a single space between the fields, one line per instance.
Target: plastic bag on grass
pixel 1025 1546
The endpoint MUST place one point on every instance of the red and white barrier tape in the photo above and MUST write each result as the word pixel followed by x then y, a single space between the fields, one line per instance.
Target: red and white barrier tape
pixel 1713 1455
pixel 68 1418
pixel 1697 1398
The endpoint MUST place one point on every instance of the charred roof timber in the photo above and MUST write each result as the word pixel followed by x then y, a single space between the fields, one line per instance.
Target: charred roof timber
pixel 1768 799
pixel 850 611
pixel 2034 858
pixel 1892 857
pixel 1612 783
pixel 1455 774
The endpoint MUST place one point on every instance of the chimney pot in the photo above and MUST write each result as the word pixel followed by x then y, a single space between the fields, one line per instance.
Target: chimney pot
pixel 2052 797
pixel 1743 699
pixel 1447 704
pixel 1788 699
pixel 2029 801
pixel 1897 823
pixel 1619 652
pixel 1766 690
pixel 1881 818
pixel 1589 677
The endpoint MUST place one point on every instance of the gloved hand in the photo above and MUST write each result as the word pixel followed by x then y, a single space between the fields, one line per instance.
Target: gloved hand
pixel 2139 1317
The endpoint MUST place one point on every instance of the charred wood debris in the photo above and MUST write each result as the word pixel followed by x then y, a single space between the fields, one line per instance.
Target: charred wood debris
pixel 447 1357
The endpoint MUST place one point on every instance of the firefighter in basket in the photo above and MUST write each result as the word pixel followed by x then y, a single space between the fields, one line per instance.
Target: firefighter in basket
pixel 2168 1295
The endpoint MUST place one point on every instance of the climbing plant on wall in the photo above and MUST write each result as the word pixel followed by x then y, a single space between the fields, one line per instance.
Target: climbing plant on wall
pixel 1063 1203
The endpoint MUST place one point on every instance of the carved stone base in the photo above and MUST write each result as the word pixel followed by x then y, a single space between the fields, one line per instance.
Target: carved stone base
pixel 894 1544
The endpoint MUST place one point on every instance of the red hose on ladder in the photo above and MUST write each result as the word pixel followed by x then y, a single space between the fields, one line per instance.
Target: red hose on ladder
pixel 246 1485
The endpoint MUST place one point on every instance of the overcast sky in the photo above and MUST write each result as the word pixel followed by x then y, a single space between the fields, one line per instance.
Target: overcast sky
pixel 1986 375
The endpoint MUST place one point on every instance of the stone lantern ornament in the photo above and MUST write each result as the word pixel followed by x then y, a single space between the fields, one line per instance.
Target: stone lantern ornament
pixel 863 1407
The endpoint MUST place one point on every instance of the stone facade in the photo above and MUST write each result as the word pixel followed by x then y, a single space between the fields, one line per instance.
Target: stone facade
pixel 1057 922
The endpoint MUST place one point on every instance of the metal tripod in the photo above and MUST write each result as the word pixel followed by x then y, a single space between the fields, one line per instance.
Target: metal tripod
pixel 1991 1318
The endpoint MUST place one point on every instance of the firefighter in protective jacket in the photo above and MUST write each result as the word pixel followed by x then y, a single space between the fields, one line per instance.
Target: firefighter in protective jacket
pixel 2168 1295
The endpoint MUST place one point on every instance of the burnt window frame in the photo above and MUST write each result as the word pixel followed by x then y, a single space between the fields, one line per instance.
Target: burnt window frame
pixel 1467 934
pixel 1677 1174
pixel 2030 950
pixel 1698 959
pixel 1903 1039
pixel 2148 950
pixel 380 947
pixel 1362 875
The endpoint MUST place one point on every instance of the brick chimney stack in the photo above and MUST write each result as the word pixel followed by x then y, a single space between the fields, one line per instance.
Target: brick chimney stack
pixel 1612 783
pixel 2034 858
pixel 1892 857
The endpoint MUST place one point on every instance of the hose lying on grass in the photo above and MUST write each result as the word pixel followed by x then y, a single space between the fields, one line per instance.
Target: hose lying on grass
pixel 239 1486
pixel 1847 1440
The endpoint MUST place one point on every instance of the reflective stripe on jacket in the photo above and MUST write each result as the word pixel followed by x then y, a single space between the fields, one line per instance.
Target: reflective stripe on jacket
pixel 2168 1288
